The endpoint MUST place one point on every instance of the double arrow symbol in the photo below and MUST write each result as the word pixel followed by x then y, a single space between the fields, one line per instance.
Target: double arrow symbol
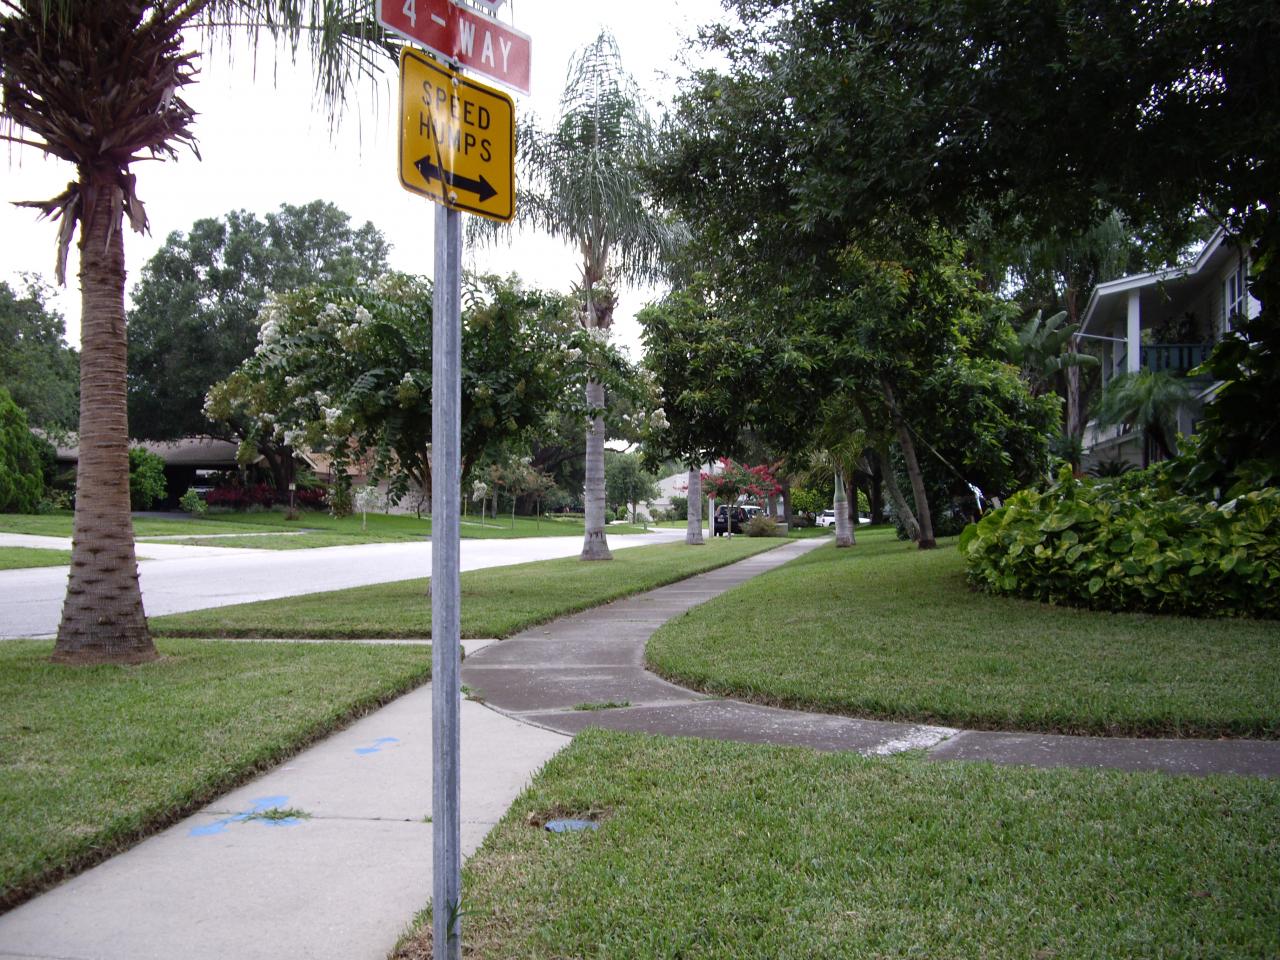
pixel 482 187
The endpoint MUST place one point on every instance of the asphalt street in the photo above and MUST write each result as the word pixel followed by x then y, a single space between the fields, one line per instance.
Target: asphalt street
pixel 177 578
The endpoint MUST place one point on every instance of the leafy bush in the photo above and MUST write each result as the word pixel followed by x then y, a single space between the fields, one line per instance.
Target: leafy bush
pixel 313 498
pixel 340 498
pixel 21 468
pixel 679 507
pixel 1131 544
pixel 146 478
pixel 193 503
pixel 762 526
pixel 236 497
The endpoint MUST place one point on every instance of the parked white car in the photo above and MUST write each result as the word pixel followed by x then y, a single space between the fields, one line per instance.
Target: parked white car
pixel 827 518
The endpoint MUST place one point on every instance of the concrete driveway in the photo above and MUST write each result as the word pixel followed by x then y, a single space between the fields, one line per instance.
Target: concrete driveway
pixel 177 578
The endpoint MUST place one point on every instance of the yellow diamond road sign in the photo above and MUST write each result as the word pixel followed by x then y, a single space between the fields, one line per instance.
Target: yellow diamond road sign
pixel 457 139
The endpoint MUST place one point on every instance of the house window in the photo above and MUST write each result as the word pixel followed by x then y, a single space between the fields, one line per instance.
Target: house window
pixel 1236 302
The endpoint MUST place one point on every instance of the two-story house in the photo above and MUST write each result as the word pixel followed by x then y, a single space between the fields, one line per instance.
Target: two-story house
pixel 1167 320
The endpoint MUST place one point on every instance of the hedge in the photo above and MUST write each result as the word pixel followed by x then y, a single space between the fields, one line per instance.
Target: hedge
pixel 1129 546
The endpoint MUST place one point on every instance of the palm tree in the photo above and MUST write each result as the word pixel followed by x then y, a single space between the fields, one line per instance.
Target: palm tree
pixel 582 182
pixel 98 85
pixel 1147 401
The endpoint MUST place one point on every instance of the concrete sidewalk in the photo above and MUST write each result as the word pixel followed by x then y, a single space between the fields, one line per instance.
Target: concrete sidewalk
pixel 340 884
pixel 597 656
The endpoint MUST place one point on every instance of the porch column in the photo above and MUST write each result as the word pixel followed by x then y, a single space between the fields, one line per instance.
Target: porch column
pixel 1133 335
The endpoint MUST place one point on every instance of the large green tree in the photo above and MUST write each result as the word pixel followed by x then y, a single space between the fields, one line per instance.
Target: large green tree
pixel 347 370
pixel 100 85
pixel 195 310
pixel 700 362
pixel 1044 119
pixel 1057 114
pixel 582 181
pixel 39 370
pixel 627 482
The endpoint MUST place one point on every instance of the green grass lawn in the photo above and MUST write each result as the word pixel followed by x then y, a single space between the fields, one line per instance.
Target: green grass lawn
pixel 329 531
pixel 17 558
pixel 884 630
pixel 711 850
pixel 59 524
pixel 496 602
pixel 93 758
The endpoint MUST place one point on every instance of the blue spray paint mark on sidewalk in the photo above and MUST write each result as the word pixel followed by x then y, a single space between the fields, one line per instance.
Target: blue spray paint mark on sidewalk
pixel 377 745
pixel 260 805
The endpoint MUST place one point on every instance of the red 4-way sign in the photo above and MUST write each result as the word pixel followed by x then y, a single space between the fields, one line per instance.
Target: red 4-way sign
pixel 464 35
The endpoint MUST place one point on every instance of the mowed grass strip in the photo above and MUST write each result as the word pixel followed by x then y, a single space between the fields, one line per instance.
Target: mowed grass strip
pixel 94 758
pixel 21 558
pixel 496 602
pixel 59 524
pixel 884 630
pixel 709 850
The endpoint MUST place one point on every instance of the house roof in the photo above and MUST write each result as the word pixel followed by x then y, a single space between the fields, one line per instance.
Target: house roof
pixel 1108 302
pixel 207 453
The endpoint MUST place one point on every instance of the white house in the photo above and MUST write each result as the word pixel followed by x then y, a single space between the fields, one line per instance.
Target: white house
pixel 1167 320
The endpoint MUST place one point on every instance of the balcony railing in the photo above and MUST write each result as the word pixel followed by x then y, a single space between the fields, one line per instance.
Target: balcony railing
pixel 1170 357
pixel 1175 357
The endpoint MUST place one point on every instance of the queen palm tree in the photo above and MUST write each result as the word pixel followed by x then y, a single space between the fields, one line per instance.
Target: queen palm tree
pixel 98 83
pixel 1148 402
pixel 582 181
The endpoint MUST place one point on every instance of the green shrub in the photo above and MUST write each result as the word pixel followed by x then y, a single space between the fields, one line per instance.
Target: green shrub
pixel 679 507
pixel 21 467
pixel 146 478
pixel 1129 545
pixel 762 525
pixel 193 503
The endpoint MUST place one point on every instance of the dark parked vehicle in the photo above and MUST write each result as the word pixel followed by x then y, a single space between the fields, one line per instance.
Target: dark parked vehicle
pixel 722 513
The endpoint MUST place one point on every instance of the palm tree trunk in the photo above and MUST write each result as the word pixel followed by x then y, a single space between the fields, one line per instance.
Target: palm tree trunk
pixel 844 534
pixel 786 503
pixel 900 505
pixel 102 616
pixel 594 545
pixel 926 541
pixel 693 527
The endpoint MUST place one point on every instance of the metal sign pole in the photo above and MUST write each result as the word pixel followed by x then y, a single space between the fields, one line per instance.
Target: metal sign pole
pixel 446 481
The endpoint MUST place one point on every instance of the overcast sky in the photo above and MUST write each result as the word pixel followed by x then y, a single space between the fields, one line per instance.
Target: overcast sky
pixel 265 141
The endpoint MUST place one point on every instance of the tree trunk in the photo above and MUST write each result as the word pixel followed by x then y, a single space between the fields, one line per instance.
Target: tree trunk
pixel 1075 429
pixel 844 535
pixel 926 541
pixel 786 503
pixel 711 516
pixel 102 616
pixel 909 521
pixel 693 525
pixel 594 545
pixel 875 492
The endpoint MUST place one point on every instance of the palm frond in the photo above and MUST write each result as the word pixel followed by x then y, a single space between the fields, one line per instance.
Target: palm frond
pixel 581 179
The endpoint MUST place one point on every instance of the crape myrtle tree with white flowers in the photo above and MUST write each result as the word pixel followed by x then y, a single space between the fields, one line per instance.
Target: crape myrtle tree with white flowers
pixel 347 371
